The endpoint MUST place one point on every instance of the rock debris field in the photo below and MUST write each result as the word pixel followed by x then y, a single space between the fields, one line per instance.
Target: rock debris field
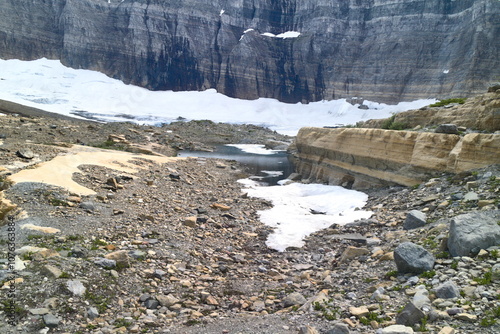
pixel 178 247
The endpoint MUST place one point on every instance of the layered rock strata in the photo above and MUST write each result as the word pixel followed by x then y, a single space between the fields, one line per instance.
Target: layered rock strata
pixel 362 158
pixel 479 113
pixel 383 50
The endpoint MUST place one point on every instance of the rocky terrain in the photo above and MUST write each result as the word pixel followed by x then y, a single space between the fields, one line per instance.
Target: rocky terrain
pixel 384 50
pixel 179 248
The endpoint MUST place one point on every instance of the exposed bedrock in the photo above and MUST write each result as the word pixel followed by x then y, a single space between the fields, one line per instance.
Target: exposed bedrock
pixel 363 158
pixel 383 50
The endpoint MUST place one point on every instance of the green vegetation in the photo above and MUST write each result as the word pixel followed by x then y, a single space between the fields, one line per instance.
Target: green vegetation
pixel 58 202
pixel 64 275
pixel 372 316
pixel 120 322
pixel 100 301
pixel 491 317
pixel 442 255
pixel 485 280
pixel 9 306
pixel 327 309
pixel 428 274
pixel 109 145
pixel 443 103
pixel 391 124
pixel 392 273
pixel 423 325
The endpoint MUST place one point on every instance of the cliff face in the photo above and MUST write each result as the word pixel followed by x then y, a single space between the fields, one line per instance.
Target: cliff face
pixel 362 158
pixel 383 50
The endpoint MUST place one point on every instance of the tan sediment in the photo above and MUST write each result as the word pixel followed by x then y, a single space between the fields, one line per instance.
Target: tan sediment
pixel 59 171
pixel 44 229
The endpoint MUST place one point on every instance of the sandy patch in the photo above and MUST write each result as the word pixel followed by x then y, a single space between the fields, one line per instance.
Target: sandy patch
pixel 43 229
pixel 59 171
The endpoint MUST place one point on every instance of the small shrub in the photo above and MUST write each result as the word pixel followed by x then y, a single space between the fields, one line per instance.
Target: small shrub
pixel 486 279
pixel 445 102
pixel 428 274
pixel 392 273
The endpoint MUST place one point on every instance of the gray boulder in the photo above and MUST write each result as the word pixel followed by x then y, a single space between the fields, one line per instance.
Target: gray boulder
pixel 410 315
pixel 339 328
pixel 414 219
pixel 471 232
pixel 294 298
pixel 447 290
pixel 447 128
pixel 412 258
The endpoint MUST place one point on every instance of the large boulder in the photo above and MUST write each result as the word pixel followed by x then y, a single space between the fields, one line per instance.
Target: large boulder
pixel 471 232
pixel 412 258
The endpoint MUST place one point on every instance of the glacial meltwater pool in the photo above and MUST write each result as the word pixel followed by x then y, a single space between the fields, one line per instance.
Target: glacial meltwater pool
pixel 269 166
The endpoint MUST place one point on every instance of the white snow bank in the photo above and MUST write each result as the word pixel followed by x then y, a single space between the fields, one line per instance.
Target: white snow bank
pixel 301 209
pixel 48 85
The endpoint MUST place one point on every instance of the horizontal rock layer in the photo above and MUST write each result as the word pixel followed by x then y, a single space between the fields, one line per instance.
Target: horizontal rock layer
pixel 362 158
pixel 383 50
pixel 479 113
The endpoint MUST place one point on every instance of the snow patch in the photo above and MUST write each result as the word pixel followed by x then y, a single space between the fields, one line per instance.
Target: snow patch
pixel 302 209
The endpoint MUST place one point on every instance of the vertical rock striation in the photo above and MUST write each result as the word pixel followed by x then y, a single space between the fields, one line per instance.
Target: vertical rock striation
pixel 384 50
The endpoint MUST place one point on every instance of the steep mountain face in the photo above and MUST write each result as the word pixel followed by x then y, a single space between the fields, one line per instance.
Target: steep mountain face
pixel 383 50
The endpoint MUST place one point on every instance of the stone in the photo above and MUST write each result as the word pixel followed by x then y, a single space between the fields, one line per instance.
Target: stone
pixel 105 263
pixel 221 207
pixel 78 251
pixel 471 232
pixel 352 252
pixel 293 299
pixel 471 196
pixel 396 329
pixel 412 258
pixel 76 287
pixel 137 254
pixel 447 330
pixel 339 328
pixel 410 315
pixel 51 320
pixel 189 221
pixel 88 206
pixel 447 128
pixel 25 153
pixel 359 311
pixel 92 313
pixel 414 219
pixel 466 317
pixel 39 311
pixel 121 258
pixel 294 177
pixel 447 290
pixel 308 330
pixel 167 300
pixel 51 271
pixel 421 298
pixel 151 303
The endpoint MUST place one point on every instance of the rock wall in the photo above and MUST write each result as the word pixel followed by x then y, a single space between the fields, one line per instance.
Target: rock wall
pixel 382 50
pixel 363 158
